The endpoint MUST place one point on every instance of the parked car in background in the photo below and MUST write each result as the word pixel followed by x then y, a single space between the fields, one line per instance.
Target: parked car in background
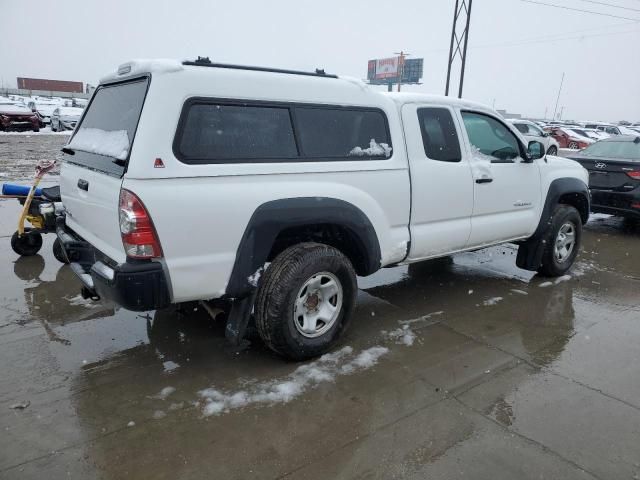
pixel 80 102
pixel 44 109
pixel 14 116
pixel 569 138
pixel 595 134
pixel 614 175
pixel 533 132
pixel 65 118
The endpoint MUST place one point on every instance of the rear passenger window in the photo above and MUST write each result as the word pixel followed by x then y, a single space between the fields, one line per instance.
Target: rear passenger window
pixel 439 134
pixel 213 132
pixel 336 132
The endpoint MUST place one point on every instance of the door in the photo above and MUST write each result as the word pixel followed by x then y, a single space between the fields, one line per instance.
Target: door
pixel 507 197
pixel 441 183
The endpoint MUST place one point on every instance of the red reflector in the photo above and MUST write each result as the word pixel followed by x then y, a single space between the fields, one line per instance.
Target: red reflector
pixel 635 205
pixel 158 163
pixel 635 174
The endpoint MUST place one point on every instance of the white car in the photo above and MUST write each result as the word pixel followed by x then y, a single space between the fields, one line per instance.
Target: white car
pixel 65 118
pixel 532 131
pixel 267 191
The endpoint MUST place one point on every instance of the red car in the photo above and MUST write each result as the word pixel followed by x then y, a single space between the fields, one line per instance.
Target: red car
pixel 17 117
pixel 567 138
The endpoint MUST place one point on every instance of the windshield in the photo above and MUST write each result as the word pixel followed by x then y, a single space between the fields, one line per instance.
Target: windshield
pixel 622 150
pixel 107 129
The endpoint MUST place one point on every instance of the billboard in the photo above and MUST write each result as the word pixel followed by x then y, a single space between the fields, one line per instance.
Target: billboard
pixel 388 70
pixel 50 85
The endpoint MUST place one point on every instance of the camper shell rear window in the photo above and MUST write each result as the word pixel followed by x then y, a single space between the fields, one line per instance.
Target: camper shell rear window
pixel 103 139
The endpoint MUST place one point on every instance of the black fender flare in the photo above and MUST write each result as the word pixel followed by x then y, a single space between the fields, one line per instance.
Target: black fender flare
pixel 271 218
pixel 530 251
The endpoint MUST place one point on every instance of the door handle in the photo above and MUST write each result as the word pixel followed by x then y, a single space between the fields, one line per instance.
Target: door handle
pixel 484 180
pixel 83 185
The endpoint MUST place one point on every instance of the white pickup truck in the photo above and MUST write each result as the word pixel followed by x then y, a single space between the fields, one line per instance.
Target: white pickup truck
pixel 267 191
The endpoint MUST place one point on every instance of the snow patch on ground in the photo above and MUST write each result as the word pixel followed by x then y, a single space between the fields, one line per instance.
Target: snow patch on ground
pixel 492 301
pixel 545 284
pixel 563 278
pixel 164 393
pixel 403 335
pixel 303 378
pixel 520 292
pixel 113 143
pixel 78 301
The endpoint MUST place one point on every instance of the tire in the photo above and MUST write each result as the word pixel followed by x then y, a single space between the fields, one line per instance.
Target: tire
pixel 574 146
pixel 288 280
pixel 53 129
pixel 36 129
pixel 555 262
pixel 28 244
pixel 58 252
pixel 552 150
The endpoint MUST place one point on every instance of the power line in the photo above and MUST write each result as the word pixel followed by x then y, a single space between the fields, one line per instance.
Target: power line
pixel 580 10
pixel 611 5
pixel 551 39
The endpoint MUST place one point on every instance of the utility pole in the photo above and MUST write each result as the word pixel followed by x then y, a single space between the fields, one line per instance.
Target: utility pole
pixel 462 6
pixel 400 66
pixel 555 110
pixel 561 112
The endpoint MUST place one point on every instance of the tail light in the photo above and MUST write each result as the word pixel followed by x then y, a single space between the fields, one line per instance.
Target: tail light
pixel 138 234
pixel 635 174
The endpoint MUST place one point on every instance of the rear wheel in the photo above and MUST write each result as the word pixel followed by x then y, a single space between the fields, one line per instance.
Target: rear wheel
pixel 26 245
pixel 562 241
pixel 305 300
pixel 552 150
pixel 574 146
pixel 58 252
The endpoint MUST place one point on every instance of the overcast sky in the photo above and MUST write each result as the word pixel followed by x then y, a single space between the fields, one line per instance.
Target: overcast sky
pixel 517 50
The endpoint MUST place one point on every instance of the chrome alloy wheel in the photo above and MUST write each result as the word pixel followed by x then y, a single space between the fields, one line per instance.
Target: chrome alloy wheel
pixel 318 304
pixel 565 242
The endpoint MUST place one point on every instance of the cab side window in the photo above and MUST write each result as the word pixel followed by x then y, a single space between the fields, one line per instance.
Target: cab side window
pixel 490 137
pixel 439 134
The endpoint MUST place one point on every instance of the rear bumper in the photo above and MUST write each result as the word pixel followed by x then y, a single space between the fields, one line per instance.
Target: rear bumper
pixel 135 286
pixel 615 203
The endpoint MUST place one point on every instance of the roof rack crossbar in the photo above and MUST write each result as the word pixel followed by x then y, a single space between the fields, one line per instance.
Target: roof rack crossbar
pixel 201 62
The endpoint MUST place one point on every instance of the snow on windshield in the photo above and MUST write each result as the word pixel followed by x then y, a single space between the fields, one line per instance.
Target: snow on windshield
pixel 11 107
pixel 113 143
pixel 375 150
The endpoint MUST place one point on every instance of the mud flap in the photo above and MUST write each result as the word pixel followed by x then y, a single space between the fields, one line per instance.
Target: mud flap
pixel 239 318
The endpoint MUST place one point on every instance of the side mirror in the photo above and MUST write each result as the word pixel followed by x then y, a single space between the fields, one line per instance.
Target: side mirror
pixel 535 150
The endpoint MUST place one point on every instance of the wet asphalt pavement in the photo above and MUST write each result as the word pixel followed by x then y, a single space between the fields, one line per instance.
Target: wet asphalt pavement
pixel 460 368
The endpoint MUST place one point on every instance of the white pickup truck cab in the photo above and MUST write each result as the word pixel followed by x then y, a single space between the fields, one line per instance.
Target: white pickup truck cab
pixel 270 190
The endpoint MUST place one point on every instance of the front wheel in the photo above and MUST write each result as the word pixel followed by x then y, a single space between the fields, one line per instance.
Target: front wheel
pixel 552 150
pixel 562 241
pixel 305 300
pixel 574 146
pixel 26 245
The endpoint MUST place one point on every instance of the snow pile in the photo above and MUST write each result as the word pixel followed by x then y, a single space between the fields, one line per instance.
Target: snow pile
pixel 563 278
pixel 492 301
pixel 374 150
pixel 545 284
pixel 164 393
pixel 253 279
pixel 403 336
pixel 113 143
pixel 325 369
